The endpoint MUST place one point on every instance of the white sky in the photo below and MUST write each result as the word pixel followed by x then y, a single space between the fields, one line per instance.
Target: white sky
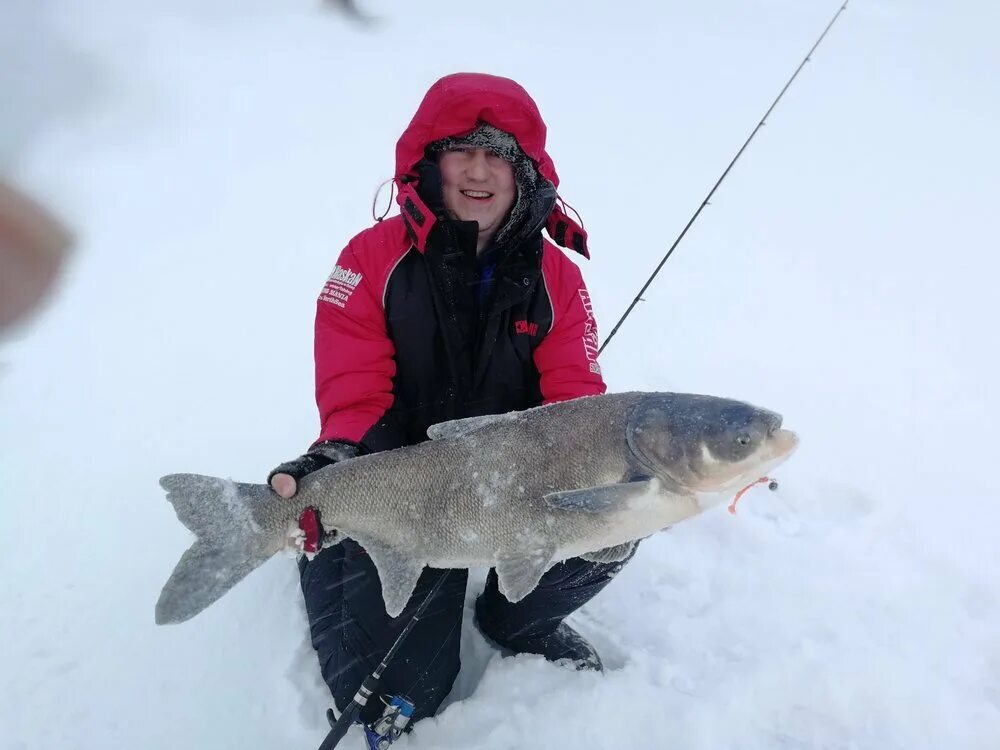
pixel 214 155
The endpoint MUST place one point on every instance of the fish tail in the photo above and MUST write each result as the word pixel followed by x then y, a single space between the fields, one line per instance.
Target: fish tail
pixel 229 546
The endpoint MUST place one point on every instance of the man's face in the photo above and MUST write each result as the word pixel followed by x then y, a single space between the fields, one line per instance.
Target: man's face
pixel 478 185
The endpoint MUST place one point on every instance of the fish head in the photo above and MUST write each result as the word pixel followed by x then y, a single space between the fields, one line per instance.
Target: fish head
pixel 705 444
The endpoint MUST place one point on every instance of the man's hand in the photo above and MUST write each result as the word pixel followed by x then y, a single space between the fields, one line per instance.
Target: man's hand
pixel 33 247
pixel 284 479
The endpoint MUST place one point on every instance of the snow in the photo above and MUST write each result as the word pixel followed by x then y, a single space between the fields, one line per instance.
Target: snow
pixel 214 157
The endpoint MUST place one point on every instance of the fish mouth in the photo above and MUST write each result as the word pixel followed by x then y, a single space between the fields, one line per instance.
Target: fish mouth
pixel 779 446
pixel 782 443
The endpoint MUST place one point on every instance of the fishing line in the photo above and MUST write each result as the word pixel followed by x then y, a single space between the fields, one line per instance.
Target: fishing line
pixel 339 726
pixel 638 297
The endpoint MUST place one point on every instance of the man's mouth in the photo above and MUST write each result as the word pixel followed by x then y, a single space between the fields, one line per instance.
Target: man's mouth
pixel 477 195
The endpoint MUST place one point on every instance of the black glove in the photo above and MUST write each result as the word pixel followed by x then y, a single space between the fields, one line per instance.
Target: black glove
pixel 320 455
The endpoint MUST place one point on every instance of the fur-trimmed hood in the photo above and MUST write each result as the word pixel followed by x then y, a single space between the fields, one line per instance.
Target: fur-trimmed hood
pixel 455 106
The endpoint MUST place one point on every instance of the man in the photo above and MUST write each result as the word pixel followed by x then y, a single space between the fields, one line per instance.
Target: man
pixel 456 308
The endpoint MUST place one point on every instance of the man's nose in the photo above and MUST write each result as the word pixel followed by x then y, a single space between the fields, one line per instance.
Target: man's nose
pixel 478 167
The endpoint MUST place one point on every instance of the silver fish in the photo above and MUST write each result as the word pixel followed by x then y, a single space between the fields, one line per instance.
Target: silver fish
pixel 518 492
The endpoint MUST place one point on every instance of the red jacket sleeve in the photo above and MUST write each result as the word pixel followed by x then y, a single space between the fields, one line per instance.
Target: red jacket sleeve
pixel 353 351
pixel 567 357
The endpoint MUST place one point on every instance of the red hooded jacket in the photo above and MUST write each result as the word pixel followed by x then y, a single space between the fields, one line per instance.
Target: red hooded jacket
pixel 399 345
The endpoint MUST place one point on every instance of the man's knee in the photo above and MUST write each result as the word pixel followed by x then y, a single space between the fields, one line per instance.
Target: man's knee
pixel 563 589
pixel 580 573
pixel 351 631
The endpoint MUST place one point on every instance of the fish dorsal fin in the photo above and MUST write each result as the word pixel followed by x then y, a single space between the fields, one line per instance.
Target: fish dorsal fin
pixel 397 572
pixel 605 499
pixel 461 427
pixel 519 571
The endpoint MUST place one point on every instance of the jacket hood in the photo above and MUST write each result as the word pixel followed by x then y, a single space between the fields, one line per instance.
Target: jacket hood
pixel 455 106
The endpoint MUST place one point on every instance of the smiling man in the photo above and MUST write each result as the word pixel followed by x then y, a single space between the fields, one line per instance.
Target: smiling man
pixel 478 184
pixel 455 308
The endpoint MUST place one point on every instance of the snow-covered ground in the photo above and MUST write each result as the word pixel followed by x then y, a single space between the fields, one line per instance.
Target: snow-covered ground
pixel 214 155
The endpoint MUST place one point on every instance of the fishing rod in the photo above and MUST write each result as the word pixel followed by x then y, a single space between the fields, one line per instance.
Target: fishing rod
pixel 401 716
pixel 400 711
pixel 638 297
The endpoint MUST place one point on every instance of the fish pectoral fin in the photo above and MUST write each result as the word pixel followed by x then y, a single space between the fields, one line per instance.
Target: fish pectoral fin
pixel 604 499
pixel 519 572
pixel 398 573
pixel 461 427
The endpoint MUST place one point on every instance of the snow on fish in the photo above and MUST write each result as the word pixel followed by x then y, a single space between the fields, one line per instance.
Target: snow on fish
pixel 585 477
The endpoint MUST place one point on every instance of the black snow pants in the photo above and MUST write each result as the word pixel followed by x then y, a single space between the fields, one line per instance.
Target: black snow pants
pixel 351 631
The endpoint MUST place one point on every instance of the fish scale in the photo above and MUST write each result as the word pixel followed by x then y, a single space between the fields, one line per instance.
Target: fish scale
pixel 517 492
pixel 461 483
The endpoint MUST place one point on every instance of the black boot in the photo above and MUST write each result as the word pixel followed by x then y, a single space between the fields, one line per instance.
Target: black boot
pixel 563 646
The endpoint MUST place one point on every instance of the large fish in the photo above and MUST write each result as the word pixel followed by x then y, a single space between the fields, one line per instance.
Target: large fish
pixel 518 492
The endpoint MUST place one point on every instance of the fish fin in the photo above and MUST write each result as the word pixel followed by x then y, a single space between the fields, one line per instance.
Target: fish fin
pixel 604 499
pixel 519 572
pixel 461 427
pixel 611 554
pixel 230 544
pixel 397 572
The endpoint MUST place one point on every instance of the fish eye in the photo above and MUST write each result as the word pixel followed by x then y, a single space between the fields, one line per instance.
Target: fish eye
pixel 743 439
